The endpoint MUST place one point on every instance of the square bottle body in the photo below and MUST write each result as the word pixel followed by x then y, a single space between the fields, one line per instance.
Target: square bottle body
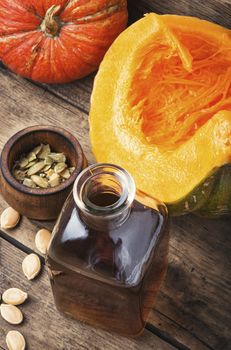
pixel 109 278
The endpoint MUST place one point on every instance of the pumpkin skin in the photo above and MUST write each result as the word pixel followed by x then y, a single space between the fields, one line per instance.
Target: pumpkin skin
pixel 57 41
pixel 187 164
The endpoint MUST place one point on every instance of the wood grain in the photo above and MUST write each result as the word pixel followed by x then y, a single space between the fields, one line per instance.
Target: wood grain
pixel 24 104
pixel 196 293
pixel 217 11
pixel 192 306
pixel 44 327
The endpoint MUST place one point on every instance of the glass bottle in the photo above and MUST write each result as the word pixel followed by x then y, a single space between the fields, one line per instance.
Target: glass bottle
pixel 108 253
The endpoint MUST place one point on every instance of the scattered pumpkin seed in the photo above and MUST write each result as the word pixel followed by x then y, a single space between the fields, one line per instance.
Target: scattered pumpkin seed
pixel 15 341
pixel 45 151
pixel 14 296
pixel 58 157
pixel 42 240
pixel 9 218
pixel 54 180
pixel 11 313
pixel 42 183
pixel 31 266
pixel 36 168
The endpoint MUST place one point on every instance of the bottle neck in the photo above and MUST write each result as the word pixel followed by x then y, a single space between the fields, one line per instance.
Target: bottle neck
pixel 104 194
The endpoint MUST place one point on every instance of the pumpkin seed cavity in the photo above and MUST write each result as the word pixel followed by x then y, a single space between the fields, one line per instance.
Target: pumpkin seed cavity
pixel 42 168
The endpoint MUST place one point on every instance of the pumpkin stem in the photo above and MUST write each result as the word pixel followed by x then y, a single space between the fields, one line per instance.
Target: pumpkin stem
pixel 50 25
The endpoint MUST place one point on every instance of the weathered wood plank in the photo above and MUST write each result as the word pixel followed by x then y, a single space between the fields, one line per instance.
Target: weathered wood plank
pixel 218 11
pixel 76 93
pixel 44 327
pixel 197 291
pixel 22 104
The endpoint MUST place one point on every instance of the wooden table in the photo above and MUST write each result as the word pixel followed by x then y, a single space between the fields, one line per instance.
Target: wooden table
pixel 193 310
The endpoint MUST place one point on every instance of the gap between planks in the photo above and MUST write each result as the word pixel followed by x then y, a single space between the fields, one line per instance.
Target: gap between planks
pixel 165 335
pixel 58 90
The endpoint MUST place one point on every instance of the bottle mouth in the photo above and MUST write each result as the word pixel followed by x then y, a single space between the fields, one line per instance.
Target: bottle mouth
pixel 104 189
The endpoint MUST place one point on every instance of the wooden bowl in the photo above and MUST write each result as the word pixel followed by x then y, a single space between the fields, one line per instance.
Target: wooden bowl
pixel 39 204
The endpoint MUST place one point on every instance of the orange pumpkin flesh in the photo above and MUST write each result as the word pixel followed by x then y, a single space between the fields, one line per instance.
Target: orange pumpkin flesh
pixel 161 104
pixel 58 41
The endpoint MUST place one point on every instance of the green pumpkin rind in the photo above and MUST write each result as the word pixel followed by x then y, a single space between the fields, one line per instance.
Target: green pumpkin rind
pixel 219 202
pixel 211 198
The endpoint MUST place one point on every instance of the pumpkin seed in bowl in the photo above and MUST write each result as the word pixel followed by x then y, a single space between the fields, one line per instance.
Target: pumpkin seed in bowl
pixel 42 168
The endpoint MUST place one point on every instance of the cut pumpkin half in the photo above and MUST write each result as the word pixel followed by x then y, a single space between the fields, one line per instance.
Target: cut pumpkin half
pixel 161 108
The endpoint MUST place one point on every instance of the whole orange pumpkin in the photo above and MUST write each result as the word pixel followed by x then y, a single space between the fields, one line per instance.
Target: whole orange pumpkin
pixel 57 41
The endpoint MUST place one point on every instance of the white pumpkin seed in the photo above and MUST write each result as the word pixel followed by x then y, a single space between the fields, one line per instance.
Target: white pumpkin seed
pixel 14 296
pixel 45 151
pixel 60 167
pixel 9 218
pixel 10 313
pixel 36 168
pixel 31 266
pixel 58 157
pixel 15 341
pixel 54 180
pixel 42 240
pixel 29 183
pixel 65 174
pixel 39 181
